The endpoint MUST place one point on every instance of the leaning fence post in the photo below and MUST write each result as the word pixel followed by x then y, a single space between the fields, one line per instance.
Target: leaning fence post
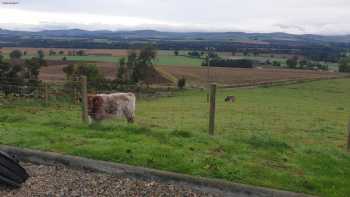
pixel 349 136
pixel 46 93
pixel 85 116
pixel 212 109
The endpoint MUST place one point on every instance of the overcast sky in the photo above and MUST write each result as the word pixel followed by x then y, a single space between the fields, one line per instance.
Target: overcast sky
pixel 292 16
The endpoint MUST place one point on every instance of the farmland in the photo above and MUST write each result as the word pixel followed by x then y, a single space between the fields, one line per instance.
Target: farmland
pixel 197 76
pixel 234 77
pixel 107 55
pixel 289 137
pixel 174 67
pixel 164 57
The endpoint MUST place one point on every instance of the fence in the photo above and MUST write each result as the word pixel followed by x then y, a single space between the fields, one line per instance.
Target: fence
pixel 158 108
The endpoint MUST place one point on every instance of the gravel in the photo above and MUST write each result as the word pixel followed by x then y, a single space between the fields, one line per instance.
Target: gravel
pixel 52 181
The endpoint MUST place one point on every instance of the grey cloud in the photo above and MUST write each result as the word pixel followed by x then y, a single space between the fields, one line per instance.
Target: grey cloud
pixel 294 16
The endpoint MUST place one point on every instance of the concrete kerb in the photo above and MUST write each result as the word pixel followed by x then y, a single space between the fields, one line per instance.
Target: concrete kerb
pixel 203 184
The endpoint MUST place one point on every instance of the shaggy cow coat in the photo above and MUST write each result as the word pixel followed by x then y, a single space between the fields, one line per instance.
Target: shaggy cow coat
pixel 106 106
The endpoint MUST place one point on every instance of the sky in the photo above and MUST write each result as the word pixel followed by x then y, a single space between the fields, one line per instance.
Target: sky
pixel 326 17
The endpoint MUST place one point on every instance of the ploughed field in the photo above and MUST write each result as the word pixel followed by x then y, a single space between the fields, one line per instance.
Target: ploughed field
pixel 54 72
pixel 287 137
pixel 237 76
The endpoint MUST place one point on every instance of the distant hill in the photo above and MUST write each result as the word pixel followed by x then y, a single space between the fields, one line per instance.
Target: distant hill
pixel 193 36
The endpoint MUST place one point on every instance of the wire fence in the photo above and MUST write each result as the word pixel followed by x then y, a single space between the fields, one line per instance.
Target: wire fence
pixel 181 112
pixel 156 107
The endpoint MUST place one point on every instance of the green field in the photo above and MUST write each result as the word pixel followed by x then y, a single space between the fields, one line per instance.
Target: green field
pixel 167 57
pixel 162 59
pixel 288 137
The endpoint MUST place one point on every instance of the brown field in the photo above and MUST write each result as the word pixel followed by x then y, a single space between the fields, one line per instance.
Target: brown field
pixel 54 72
pixel 197 76
pixel 237 77
pixel 104 52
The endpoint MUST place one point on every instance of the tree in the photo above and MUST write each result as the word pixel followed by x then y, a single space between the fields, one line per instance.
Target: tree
pixel 344 65
pixel 69 71
pixel 89 70
pixel 195 54
pixel 61 52
pixel 23 74
pixel 41 54
pixel 303 64
pixel 144 63
pixel 122 74
pixel 41 59
pixel 181 83
pixel 276 63
pixel 52 52
pixel 176 53
pixel 32 67
pixel 80 53
pixel 16 54
pixel 75 71
pixel 292 62
pixel 213 55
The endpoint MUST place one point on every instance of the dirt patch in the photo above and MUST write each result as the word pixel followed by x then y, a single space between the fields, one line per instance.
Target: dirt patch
pixel 61 181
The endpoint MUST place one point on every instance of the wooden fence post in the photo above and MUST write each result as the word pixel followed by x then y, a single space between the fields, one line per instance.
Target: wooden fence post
pixel 349 136
pixel 85 115
pixel 212 109
pixel 46 93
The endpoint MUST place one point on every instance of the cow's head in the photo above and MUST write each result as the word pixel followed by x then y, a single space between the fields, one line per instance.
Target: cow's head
pixel 94 105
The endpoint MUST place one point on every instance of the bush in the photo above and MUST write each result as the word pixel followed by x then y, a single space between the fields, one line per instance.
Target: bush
pixel 94 77
pixel 344 65
pixel 181 83
pixel 194 54
pixel 16 54
pixel 232 63
pixel 292 62
pixel 276 63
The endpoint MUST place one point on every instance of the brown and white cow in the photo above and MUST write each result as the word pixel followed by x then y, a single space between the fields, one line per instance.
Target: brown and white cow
pixel 116 105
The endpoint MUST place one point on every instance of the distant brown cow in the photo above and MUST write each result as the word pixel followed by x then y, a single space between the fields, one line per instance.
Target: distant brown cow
pixel 230 99
pixel 106 106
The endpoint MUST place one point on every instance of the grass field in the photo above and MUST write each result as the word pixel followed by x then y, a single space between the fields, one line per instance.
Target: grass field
pixel 288 137
pixel 161 59
pixel 164 57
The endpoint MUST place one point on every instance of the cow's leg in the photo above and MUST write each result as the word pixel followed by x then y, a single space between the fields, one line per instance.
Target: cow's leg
pixel 128 115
